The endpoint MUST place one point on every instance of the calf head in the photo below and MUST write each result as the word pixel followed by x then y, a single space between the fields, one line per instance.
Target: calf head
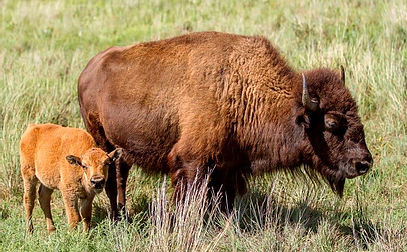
pixel 95 164
pixel 334 139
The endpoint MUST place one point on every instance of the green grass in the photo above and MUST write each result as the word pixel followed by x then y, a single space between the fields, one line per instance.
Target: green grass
pixel 44 45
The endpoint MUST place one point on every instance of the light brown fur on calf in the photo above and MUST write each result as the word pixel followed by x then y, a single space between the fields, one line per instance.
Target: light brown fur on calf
pixel 49 154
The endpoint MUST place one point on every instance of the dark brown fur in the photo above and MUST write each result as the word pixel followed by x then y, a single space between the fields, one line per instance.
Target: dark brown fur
pixel 218 101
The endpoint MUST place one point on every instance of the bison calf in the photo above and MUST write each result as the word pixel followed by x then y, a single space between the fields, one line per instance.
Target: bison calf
pixel 65 159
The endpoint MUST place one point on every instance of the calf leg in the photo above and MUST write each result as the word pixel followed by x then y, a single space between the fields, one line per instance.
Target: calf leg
pixel 44 198
pixel 86 212
pixel 71 208
pixel 30 182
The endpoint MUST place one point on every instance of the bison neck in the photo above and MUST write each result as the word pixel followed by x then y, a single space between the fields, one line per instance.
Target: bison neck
pixel 271 138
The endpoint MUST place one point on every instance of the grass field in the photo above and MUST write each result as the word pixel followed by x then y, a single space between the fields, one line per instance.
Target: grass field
pixel 44 45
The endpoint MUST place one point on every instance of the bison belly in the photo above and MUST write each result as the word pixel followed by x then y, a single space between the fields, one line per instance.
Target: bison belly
pixel 147 134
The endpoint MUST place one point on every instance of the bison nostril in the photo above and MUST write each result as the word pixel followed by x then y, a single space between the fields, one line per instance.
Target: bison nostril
pixel 362 167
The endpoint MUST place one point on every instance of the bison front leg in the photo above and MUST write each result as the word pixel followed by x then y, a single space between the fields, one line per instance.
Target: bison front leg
pixel 184 179
pixel 186 173
pixel 225 180
pixel 227 183
pixel 199 147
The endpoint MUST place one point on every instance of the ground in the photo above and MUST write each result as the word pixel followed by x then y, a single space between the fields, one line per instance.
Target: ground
pixel 44 45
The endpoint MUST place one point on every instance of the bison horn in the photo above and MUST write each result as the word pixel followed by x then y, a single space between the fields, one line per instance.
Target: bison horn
pixel 342 74
pixel 308 103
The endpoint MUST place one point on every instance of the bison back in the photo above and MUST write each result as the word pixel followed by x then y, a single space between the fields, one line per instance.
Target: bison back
pixel 143 97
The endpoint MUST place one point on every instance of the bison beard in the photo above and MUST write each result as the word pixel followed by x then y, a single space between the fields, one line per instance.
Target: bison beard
pixel 221 101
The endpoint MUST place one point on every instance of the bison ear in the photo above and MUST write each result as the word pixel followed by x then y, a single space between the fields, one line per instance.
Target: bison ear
pixel 116 154
pixel 303 119
pixel 74 160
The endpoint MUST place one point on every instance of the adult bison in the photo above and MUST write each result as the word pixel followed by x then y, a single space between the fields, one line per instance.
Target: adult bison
pixel 222 101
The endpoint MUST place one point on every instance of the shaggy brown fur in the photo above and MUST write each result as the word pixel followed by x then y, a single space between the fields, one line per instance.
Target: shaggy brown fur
pixel 50 154
pixel 222 101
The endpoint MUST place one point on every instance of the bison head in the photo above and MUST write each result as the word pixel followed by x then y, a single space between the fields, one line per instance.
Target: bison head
pixel 95 163
pixel 334 139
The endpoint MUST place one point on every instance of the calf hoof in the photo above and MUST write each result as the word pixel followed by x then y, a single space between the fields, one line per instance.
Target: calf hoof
pixel 30 228
pixel 30 231
pixel 51 230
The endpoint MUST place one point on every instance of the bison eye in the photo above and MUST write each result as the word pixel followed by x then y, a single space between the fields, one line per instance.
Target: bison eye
pixel 332 122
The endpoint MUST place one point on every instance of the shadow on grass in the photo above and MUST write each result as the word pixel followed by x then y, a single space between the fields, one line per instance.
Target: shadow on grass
pixel 263 209
pixel 138 210
pixel 364 232
pixel 255 211
pixel 259 207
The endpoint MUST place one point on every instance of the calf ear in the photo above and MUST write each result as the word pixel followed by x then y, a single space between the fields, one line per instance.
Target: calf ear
pixel 74 160
pixel 116 154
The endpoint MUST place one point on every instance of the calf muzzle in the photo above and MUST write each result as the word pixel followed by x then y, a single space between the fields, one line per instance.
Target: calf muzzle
pixel 97 182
